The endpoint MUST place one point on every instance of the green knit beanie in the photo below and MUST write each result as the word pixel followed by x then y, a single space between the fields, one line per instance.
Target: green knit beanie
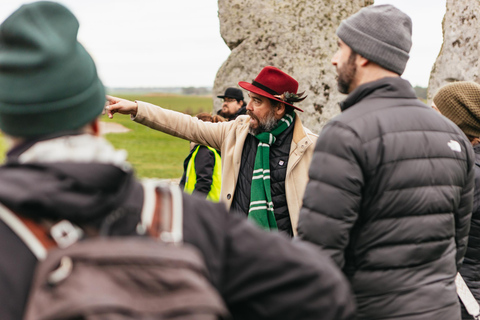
pixel 48 81
pixel 460 102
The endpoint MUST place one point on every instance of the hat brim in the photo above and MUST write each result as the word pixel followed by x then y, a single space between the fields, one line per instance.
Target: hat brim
pixel 250 87
pixel 236 98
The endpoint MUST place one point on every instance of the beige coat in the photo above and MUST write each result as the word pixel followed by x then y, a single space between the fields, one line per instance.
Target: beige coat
pixel 229 138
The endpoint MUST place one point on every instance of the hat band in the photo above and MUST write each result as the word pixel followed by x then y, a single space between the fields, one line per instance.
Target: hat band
pixel 264 88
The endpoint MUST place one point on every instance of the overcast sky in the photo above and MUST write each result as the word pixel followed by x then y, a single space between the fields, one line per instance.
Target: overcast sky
pixel 160 43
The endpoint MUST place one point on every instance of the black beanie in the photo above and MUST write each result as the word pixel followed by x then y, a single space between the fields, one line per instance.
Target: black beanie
pixel 381 34
pixel 48 81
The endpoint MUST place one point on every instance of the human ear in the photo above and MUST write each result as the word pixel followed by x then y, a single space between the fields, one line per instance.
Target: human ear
pixel 280 111
pixel 361 60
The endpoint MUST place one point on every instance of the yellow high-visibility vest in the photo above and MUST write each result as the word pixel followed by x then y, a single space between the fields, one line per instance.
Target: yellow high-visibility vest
pixel 191 178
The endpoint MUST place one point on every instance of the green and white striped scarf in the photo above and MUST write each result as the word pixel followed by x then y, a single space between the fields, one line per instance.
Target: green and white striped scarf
pixel 261 205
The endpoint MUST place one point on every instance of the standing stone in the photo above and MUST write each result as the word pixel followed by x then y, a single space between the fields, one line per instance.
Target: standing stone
pixel 459 56
pixel 296 36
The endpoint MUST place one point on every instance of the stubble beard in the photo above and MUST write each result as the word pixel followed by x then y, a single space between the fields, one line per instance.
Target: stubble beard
pixel 265 125
pixel 346 74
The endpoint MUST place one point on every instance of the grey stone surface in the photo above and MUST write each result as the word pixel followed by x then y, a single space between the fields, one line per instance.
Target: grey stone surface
pixel 296 36
pixel 459 56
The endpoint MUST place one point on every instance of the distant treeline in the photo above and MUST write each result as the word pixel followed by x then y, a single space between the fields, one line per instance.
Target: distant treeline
pixel 421 92
pixel 173 90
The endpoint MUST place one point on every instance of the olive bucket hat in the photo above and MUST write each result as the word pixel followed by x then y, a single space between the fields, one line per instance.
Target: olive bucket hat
pixel 460 102
pixel 48 81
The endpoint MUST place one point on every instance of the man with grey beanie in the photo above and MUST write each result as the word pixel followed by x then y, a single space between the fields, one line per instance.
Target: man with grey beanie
pixel 391 181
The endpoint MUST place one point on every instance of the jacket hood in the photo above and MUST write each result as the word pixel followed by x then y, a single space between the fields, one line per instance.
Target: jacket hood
pixel 77 177
pixel 389 87
pixel 78 192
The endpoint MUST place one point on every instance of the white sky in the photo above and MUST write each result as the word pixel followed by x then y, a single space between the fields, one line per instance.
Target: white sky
pixel 177 43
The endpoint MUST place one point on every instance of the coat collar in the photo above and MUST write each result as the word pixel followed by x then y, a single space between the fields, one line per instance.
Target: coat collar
pixel 299 131
pixel 389 87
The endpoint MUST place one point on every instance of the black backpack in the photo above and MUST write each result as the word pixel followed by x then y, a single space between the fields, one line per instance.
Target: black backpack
pixel 112 278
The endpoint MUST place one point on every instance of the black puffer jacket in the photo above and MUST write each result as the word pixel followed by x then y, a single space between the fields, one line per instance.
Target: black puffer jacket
pixel 260 275
pixel 240 112
pixel 390 198
pixel 470 269
pixel 204 164
pixel 279 153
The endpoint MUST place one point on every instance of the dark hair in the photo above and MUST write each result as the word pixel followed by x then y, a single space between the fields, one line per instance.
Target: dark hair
pixel 289 109
pixel 276 103
pixel 244 103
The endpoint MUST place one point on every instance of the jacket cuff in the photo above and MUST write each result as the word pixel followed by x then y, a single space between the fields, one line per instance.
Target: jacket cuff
pixel 140 107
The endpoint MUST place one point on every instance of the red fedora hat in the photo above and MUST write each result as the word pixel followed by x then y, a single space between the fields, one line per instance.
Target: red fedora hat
pixel 272 82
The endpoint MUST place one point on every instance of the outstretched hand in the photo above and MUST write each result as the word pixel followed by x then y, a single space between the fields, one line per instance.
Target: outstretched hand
pixel 122 106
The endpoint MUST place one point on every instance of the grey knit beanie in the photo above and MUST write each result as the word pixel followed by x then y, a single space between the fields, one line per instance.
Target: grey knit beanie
pixel 381 34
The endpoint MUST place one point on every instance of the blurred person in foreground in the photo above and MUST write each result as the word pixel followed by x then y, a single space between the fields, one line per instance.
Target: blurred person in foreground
pixel 460 102
pixel 265 154
pixel 233 104
pixel 391 181
pixel 58 167
pixel 202 168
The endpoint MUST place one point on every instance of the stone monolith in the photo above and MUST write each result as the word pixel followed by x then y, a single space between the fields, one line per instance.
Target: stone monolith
pixel 296 36
pixel 458 59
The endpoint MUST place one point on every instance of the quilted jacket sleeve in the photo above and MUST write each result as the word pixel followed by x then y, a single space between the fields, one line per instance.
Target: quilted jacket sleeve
pixel 333 195
pixel 464 212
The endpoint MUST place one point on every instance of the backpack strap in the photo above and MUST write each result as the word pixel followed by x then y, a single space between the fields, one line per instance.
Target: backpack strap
pixel 23 232
pixel 162 212
pixel 149 204
pixel 40 236
pixel 467 297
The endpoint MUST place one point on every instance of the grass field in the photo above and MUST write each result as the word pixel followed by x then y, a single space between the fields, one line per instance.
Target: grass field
pixel 153 154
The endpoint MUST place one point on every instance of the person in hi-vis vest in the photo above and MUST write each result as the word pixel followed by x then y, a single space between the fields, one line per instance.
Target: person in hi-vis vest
pixel 203 167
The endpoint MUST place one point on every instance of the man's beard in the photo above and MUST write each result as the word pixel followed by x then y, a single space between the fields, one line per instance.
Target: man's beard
pixel 346 74
pixel 226 113
pixel 264 125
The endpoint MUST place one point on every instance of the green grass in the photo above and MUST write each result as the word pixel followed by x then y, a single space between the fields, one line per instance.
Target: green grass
pixel 154 154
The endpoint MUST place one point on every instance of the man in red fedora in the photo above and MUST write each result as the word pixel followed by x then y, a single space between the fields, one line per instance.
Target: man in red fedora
pixel 265 154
